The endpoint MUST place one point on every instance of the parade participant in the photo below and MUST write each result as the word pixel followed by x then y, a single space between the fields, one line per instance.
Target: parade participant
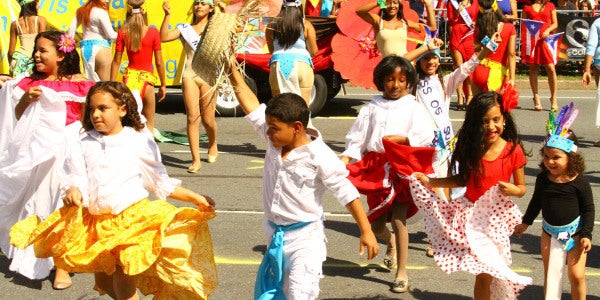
pixel 299 167
pixel 545 12
pixel 97 30
pixel 142 42
pixel 564 195
pixel 395 116
pixel 197 94
pixel 293 42
pixel 391 28
pixel 48 106
pixel 26 27
pixel 461 19
pixel 471 233
pixel 500 66
pixel 109 227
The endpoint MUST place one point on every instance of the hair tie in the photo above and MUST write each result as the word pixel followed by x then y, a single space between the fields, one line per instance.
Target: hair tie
pixel 292 3
pixel 136 10
pixel 493 8
pixel 66 43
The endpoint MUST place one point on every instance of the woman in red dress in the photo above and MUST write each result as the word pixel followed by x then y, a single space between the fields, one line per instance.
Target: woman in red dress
pixel 461 40
pixel 543 11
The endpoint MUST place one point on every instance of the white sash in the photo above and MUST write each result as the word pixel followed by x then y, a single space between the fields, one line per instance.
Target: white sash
pixel 431 94
pixel 463 13
pixel 189 35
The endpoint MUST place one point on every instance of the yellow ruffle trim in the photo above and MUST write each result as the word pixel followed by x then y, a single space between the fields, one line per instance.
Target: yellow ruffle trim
pixel 169 248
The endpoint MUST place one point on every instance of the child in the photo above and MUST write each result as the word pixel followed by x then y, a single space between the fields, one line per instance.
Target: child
pixel 48 106
pixel 500 66
pixel 469 233
pixel 391 28
pixel 396 116
pixel 141 42
pixel 293 42
pixel 97 30
pixel 192 85
pixel 26 28
pixel 298 169
pixel 542 11
pixel 109 227
pixel 564 196
pixel 461 19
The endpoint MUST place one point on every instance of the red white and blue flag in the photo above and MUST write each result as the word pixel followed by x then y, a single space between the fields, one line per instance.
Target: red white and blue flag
pixel 532 35
pixel 552 42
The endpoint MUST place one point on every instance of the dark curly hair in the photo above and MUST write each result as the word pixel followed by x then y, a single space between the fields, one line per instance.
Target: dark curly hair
pixel 576 164
pixel 470 144
pixel 70 63
pixel 122 96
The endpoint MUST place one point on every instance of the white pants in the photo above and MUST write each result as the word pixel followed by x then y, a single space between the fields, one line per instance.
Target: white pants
pixel 304 252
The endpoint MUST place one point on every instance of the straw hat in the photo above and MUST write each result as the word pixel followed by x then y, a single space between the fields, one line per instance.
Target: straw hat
pixel 214 52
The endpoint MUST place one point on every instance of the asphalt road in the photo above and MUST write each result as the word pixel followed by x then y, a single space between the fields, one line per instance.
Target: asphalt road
pixel 234 181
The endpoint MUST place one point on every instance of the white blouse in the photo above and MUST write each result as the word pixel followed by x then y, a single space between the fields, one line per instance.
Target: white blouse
pixel 382 117
pixel 293 188
pixel 114 172
pixel 100 27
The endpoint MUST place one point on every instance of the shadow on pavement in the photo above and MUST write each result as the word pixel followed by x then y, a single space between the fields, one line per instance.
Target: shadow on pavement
pixel 18 279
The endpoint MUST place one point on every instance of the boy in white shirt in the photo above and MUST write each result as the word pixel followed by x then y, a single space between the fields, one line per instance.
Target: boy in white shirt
pixel 299 166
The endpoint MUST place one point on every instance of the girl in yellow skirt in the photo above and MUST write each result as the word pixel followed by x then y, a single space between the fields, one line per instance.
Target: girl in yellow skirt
pixel 109 227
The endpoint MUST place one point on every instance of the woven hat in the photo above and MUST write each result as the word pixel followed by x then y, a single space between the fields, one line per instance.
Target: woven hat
pixel 213 54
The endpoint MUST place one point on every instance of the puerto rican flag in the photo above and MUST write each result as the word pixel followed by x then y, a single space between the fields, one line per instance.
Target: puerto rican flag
pixel 552 42
pixel 532 35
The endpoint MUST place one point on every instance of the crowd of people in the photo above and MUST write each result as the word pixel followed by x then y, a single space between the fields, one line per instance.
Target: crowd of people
pixel 79 160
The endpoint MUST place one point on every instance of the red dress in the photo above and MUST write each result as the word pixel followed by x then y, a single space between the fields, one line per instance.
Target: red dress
pixel 461 36
pixel 141 59
pixel 541 54
pixel 496 61
pixel 473 234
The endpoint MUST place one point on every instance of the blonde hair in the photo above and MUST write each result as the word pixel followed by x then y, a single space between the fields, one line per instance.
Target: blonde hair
pixel 134 25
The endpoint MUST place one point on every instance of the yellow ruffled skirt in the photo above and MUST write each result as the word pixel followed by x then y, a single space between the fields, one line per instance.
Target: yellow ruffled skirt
pixel 168 248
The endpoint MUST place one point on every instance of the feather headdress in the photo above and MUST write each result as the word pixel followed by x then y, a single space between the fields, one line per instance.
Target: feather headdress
pixel 557 128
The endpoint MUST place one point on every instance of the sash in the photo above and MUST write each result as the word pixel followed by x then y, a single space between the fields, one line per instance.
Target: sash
pixel 431 94
pixel 464 14
pixel 269 280
pixel 189 35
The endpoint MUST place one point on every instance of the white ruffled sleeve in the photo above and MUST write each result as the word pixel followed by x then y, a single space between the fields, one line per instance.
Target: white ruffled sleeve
pixel 154 172
pixel 75 172
pixel 356 138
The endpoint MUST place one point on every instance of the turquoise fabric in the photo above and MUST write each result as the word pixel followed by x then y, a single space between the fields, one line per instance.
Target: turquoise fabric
pixel 269 280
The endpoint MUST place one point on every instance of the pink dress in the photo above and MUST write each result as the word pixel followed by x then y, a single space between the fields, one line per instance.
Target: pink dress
pixel 474 235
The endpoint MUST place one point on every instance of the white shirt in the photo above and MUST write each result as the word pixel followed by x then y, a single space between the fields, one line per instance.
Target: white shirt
pixel 381 117
pixel 115 171
pixel 293 189
pixel 99 28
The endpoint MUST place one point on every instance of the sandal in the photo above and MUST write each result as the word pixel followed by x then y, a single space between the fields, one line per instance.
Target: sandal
pixel 400 286
pixel 390 261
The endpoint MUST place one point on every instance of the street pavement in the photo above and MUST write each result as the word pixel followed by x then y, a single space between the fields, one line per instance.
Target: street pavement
pixel 234 181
